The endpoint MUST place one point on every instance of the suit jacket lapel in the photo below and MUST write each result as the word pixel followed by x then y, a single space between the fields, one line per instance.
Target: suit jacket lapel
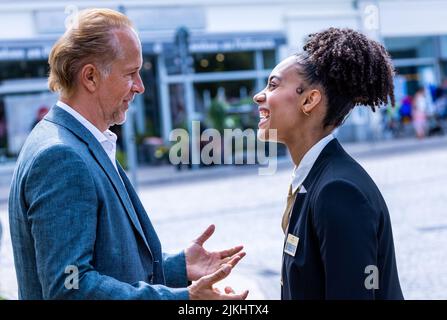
pixel 297 207
pixel 148 229
pixel 328 151
pixel 63 118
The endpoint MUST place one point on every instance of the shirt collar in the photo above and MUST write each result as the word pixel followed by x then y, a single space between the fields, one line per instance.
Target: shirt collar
pixel 302 170
pixel 100 136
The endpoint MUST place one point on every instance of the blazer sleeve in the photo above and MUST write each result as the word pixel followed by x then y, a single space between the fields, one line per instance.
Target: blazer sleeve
pixel 174 268
pixel 346 227
pixel 62 215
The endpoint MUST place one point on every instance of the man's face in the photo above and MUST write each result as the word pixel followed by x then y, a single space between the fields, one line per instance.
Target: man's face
pixel 118 89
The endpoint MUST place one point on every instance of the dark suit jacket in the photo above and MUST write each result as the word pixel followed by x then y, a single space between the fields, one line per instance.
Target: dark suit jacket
pixel 345 248
pixel 72 214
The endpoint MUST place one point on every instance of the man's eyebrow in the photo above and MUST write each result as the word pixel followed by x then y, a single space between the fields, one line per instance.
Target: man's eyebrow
pixel 134 68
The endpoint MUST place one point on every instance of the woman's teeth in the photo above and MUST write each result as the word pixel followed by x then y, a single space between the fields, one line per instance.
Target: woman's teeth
pixel 263 114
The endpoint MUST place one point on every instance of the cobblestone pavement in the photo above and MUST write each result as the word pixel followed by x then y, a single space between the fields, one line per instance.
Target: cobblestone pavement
pixel 247 210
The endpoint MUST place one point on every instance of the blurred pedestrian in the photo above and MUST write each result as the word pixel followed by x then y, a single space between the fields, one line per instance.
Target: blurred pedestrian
pixel 419 117
pixel 41 113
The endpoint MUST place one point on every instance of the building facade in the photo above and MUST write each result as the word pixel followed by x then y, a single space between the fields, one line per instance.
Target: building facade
pixel 200 51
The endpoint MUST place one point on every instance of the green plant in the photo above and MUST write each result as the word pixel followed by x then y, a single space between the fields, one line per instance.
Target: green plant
pixel 233 121
pixel 244 101
pixel 216 115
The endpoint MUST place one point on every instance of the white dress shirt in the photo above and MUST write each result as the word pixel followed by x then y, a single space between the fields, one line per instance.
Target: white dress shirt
pixel 107 139
pixel 302 170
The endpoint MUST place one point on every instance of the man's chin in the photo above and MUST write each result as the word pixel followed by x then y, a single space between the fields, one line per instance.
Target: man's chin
pixel 120 119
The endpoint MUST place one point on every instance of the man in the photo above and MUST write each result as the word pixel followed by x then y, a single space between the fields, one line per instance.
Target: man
pixel 78 228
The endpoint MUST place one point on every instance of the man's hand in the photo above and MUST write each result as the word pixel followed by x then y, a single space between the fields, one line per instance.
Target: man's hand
pixel 203 289
pixel 200 263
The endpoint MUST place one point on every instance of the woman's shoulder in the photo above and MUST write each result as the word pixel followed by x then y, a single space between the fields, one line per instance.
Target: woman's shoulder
pixel 339 167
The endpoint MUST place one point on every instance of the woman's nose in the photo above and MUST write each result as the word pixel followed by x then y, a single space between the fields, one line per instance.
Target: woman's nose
pixel 259 97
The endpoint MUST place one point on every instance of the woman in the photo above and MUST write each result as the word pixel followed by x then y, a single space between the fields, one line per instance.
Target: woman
pixel 338 238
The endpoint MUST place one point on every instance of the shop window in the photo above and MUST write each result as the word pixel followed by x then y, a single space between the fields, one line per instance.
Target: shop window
pixel 403 54
pixel 150 96
pixel 23 69
pixel 177 106
pixel 411 47
pixel 269 58
pixel 223 61
pixel 444 69
pixel 19 113
pixel 411 76
pixel 235 98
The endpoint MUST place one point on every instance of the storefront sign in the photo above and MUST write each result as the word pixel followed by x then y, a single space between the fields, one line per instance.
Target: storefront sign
pixel 31 53
pixel 231 43
pixel 234 44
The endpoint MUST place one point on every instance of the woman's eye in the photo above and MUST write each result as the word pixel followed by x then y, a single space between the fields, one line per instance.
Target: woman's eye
pixel 272 85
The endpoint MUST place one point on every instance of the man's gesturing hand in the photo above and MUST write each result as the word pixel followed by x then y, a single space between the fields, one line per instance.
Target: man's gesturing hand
pixel 200 262
pixel 203 289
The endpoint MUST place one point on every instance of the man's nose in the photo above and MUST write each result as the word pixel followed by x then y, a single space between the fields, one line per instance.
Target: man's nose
pixel 138 85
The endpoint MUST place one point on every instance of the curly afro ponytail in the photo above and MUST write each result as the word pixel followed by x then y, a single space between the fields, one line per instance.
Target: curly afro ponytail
pixel 352 69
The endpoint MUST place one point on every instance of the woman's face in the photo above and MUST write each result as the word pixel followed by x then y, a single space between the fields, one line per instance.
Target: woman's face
pixel 279 103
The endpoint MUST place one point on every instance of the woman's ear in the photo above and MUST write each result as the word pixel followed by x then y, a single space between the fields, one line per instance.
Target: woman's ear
pixel 89 77
pixel 311 100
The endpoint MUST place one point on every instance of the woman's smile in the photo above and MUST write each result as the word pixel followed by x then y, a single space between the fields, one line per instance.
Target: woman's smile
pixel 264 116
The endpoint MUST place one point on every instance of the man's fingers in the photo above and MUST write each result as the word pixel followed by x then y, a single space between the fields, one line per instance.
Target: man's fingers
pixel 229 290
pixel 220 274
pixel 228 259
pixel 230 252
pixel 205 235
pixel 235 260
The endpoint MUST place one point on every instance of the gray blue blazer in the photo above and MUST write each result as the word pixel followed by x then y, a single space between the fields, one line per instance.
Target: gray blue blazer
pixel 78 229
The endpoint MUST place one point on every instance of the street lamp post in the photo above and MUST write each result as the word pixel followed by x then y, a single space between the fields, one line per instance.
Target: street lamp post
pixel 369 23
pixel 182 45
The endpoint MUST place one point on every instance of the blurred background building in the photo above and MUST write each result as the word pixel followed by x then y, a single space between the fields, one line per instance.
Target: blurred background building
pixel 206 55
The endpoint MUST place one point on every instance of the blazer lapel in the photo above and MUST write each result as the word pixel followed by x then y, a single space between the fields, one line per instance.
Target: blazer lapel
pixel 148 229
pixel 297 207
pixel 328 151
pixel 63 118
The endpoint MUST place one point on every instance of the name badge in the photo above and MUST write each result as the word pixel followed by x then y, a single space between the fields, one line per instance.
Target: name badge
pixel 291 245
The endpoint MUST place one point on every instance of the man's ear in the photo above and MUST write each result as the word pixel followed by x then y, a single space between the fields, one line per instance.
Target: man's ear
pixel 311 100
pixel 89 77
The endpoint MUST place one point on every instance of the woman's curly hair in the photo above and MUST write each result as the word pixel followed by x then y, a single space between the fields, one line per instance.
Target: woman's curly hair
pixel 352 69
